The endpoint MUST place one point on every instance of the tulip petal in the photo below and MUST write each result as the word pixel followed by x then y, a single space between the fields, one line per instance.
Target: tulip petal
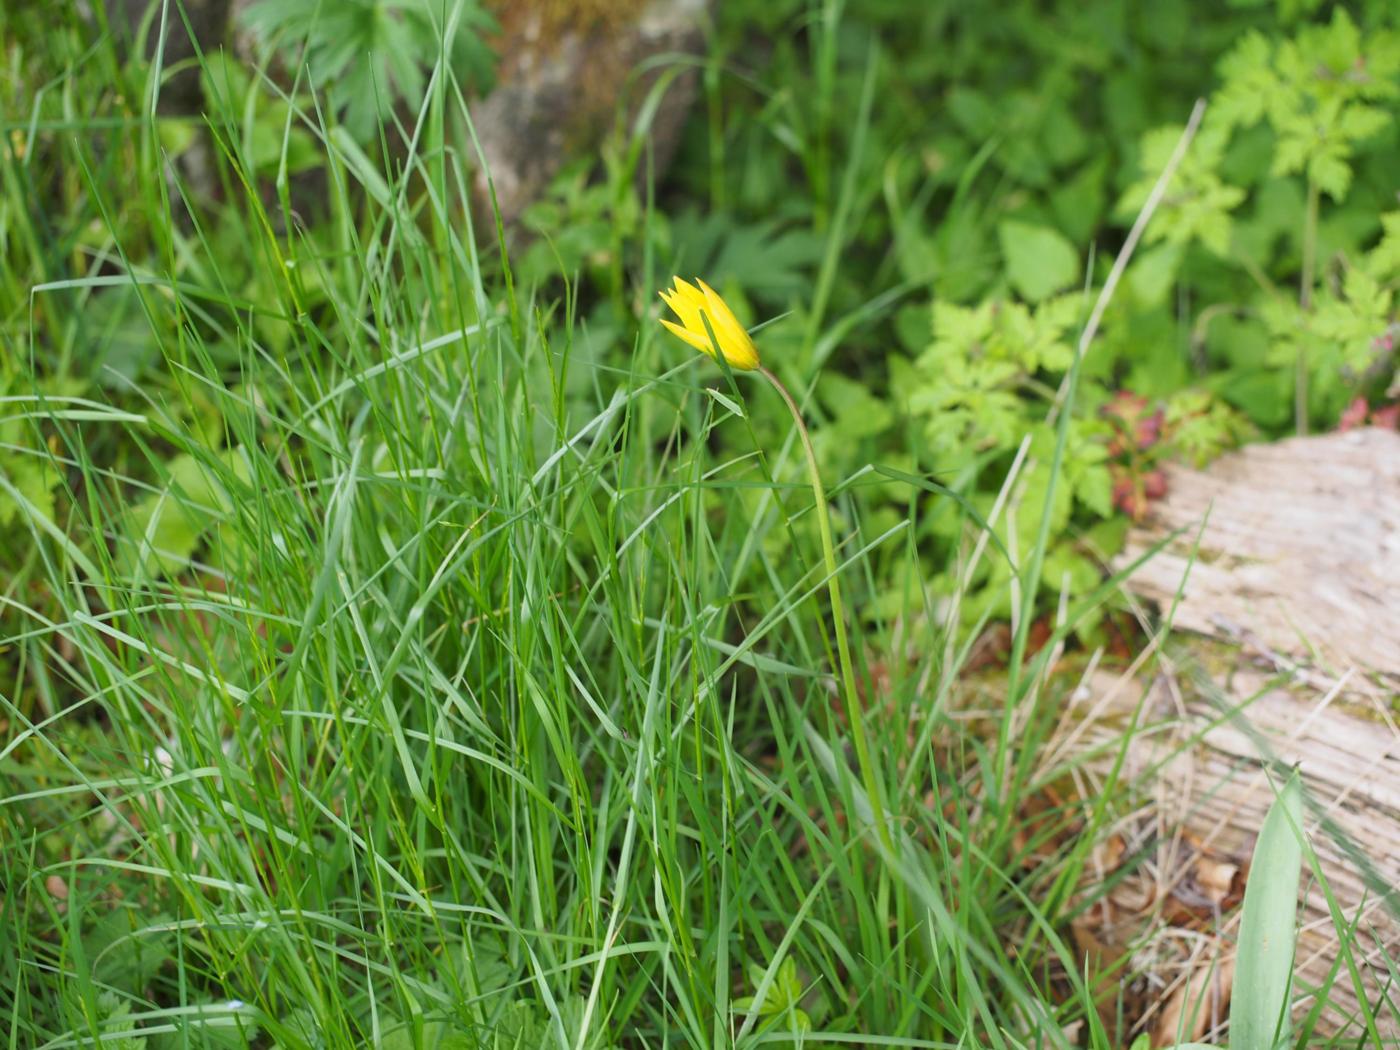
pixel 719 308
pixel 734 340
pixel 707 323
pixel 688 291
pixel 698 341
pixel 688 312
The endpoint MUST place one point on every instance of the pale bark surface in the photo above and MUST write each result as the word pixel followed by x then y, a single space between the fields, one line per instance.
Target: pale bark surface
pixel 1203 763
pixel 1300 548
pixel 1296 578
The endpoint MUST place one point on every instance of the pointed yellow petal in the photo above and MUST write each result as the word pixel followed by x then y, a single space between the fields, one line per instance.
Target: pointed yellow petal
pixel 687 290
pixel 718 307
pixel 734 341
pixel 670 299
pixel 707 323
pixel 698 341
pixel 688 313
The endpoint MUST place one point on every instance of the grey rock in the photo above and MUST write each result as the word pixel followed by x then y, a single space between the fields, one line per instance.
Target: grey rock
pixel 561 86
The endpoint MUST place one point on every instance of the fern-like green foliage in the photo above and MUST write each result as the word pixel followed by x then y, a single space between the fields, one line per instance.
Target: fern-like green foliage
pixel 1283 185
pixel 1200 204
pixel 1323 93
pixel 369 55
pixel 1263 293
pixel 1260 301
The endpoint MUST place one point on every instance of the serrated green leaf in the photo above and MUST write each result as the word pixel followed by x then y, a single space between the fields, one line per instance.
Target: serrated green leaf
pixel 1384 260
pixel 1040 261
pixel 372 54
pixel 1095 490
pixel 1331 173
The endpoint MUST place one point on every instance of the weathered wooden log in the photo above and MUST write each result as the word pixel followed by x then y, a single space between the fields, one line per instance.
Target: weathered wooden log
pixel 1205 757
pixel 1300 549
pixel 1293 552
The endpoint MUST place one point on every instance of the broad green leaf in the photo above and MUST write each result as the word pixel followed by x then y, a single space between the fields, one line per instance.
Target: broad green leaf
pixel 1078 203
pixel 166 527
pixel 1040 261
pixel 34 479
pixel 1153 273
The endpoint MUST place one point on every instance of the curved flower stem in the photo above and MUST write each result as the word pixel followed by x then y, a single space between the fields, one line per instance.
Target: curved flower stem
pixel 851 698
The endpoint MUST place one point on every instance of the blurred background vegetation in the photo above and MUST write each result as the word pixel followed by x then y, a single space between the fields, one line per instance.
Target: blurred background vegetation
pixel 942 182
pixel 919 201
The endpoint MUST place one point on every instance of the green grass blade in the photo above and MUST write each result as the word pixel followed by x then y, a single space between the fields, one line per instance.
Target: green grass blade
pixel 1268 927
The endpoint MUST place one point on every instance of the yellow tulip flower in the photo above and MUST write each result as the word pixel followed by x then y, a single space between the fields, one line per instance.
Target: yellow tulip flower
pixel 693 306
pixel 707 323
